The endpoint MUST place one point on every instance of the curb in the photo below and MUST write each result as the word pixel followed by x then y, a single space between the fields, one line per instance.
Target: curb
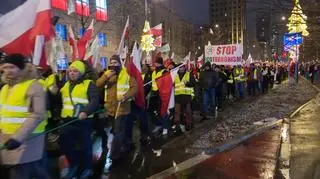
pixel 234 142
pixel 204 154
pixel 283 164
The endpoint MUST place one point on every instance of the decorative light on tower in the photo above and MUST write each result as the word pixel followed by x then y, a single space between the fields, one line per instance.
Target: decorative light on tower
pixel 147 39
pixel 297 20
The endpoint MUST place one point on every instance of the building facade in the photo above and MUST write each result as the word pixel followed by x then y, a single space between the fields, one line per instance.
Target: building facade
pixel 177 31
pixel 229 15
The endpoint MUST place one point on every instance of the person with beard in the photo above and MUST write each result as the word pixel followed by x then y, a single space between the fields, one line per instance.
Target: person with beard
pixel 155 100
pixel 22 114
pixel 184 92
pixel 78 92
pixel 120 88
pixel 208 81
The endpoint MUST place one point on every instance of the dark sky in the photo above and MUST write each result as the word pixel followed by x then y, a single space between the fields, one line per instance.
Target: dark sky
pixel 195 11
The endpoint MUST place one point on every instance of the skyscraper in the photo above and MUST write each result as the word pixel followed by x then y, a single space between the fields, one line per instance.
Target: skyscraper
pixel 229 15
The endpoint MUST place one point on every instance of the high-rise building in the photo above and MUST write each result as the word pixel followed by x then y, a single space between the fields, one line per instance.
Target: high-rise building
pixel 229 15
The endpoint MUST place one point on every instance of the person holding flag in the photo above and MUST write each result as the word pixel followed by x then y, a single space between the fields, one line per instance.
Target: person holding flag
pixel 120 88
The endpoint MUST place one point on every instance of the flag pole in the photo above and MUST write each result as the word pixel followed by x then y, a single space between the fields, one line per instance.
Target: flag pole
pixel 163 75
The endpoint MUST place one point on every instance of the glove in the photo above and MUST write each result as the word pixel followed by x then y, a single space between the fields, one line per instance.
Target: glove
pixel 12 144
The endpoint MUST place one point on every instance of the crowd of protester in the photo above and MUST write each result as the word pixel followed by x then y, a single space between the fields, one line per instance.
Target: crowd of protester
pixel 82 92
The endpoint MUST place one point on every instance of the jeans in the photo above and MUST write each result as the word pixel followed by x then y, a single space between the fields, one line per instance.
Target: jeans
pixel 240 88
pixel 76 143
pixel 144 123
pixel 209 97
pixel 24 171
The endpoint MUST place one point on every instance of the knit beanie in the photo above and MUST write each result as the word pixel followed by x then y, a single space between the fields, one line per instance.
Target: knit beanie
pixel 116 57
pixel 15 59
pixel 79 65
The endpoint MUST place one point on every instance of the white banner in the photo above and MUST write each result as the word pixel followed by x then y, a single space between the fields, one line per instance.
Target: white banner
pixel 224 54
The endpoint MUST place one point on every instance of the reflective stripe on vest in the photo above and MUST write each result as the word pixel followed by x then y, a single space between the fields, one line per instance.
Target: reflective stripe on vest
pixel 180 87
pixel 155 76
pixel 123 85
pixel 78 94
pixel 239 75
pixel 14 105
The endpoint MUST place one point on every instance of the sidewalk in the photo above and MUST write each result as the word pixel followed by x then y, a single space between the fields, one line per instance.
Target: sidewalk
pixel 305 142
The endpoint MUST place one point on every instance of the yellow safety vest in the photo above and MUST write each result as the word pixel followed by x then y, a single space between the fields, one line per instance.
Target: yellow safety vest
pixel 78 96
pixel 123 84
pixel 50 81
pixel 180 87
pixel 238 73
pixel 155 76
pixel 45 89
pixel 14 105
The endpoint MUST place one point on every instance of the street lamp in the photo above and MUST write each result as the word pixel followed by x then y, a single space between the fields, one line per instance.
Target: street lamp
pixel 283 18
pixel 216 26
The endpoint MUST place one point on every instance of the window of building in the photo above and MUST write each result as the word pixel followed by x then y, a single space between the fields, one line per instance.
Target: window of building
pixel 61 31
pixel 60 4
pixel 82 7
pixel 101 13
pixel 103 41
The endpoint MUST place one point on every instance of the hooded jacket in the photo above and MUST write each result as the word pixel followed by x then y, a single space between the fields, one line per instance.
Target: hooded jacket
pixel 208 78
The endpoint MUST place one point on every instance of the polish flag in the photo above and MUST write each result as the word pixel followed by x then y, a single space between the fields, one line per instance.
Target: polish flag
pixel 200 62
pixel 166 89
pixel 20 27
pixel 134 70
pixel 124 34
pixel 93 54
pixel 79 47
pixel 157 30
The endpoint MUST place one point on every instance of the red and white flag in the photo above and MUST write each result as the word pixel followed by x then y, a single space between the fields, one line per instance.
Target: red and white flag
pixel 200 61
pixel 20 27
pixel 93 54
pixel 124 34
pixel 157 30
pixel 79 47
pixel 134 70
pixel 166 90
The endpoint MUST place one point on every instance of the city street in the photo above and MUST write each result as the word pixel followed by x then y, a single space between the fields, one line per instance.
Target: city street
pixel 200 154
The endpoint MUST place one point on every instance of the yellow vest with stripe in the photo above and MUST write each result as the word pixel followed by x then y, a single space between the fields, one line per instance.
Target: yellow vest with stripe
pixel 50 81
pixel 155 76
pixel 180 87
pixel 238 74
pixel 45 89
pixel 14 108
pixel 123 84
pixel 78 95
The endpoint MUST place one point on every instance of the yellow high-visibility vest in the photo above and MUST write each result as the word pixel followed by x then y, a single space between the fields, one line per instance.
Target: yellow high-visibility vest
pixel 14 105
pixel 78 96
pixel 45 89
pixel 123 84
pixel 180 87
pixel 50 81
pixel 155 76
pixel 238 74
